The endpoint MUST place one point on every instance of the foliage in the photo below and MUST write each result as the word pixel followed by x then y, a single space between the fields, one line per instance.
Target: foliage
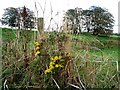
pixel 74 16
pixel 95 19
pixel 12 17
pixel 92 61
pixel 102 20
pixel 9 16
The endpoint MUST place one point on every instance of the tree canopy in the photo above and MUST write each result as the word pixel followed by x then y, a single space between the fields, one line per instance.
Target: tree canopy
pixel 102 20
pixel 12 16
pixel 74 16
pixel 95 19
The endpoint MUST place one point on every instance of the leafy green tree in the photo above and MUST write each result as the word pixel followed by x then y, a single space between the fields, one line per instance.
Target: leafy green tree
pixel 71 14
pixel 9 17
pixel 74 17
pixel 87 19
pixel 96 19
pixel 102 20
pixel 12 15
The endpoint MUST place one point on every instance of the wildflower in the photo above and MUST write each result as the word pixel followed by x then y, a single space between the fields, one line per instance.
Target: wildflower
pixel 37 53
pixel 51 63
pixel 56 65
pixel 56 58
pixel 52 59
pixel 37 44
pixel 48 70
pixel 37 48
pixel 51 67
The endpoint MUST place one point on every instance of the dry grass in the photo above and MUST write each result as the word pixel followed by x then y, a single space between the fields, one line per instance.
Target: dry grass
pixel 21 68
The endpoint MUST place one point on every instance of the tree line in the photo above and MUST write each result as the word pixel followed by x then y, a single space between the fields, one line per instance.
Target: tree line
pixel 13 17
pixel 95 19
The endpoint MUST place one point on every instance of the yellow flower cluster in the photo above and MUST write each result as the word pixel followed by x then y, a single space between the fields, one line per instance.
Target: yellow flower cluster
pixel 54 64
pixel 56 58
pixel 37 53
pixel 37 44
pixel 37 47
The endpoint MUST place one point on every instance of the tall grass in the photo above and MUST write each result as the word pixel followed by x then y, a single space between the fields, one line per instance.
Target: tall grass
pixel 82 69
pixel 83 61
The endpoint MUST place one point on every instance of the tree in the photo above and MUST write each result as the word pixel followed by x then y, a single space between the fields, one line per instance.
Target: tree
pixel 102 20
pixel 9 16
pixel 71 16
pixel 87 19
pixel 12 15
pixel 74 17
pixel 96 19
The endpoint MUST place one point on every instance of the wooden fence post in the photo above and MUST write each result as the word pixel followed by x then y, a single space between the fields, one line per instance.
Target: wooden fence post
pixel 40 26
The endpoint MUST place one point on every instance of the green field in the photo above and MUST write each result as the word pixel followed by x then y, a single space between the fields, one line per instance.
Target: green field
pixel 107 45
pixel 99 53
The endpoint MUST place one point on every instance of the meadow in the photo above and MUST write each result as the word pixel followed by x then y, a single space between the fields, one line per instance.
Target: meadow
pixel 81 61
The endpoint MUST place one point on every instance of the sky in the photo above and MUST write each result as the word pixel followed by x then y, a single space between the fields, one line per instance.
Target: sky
pixel 58 8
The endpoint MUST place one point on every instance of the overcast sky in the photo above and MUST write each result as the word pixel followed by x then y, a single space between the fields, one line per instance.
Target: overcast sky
pixel 59 6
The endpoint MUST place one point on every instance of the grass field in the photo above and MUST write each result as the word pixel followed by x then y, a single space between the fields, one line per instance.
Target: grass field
pixel 107 45
pixel 94 57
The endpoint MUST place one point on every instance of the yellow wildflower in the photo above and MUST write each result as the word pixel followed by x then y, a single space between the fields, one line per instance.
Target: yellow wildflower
pixel 56 65
pixel 37 44
pixel 56 58
pixel 52 59
pixel 51 67
pixel 37 53
pixel 48 70
pixel 51 63
pixel 37 48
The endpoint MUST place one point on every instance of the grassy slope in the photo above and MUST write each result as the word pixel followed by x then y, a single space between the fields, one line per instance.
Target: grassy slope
pixel 11 34
pixel 108 45
pixel 108 51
